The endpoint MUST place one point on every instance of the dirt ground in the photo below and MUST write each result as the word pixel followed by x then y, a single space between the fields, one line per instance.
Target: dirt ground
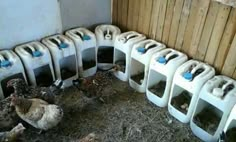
pixel 126 116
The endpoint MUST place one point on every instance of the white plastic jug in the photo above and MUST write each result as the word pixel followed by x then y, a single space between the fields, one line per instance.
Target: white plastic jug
pixel 122 52
pixel 85 43
pixel 162 69
pixel 140 60
pixel 37 62
pixel 106 35
pixel 64 57
pixel 216 100
pixel 230 126
pixel 10 68
pixel 187 83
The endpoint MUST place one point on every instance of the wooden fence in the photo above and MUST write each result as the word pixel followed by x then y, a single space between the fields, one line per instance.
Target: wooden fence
pixel 203 29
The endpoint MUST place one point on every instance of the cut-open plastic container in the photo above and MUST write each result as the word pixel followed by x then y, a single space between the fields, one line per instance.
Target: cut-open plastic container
pixel 106 35
pixel 187 83
pixel 123 47
pixel 85 43
pixel 64 58
pixel 162 69
pixel 216 100
pixel 140 61
pixel 10 67
pixel 37 62
pixel 230 127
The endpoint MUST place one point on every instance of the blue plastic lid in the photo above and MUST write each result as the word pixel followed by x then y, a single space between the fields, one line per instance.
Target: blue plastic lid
pixel 161 60
pixel 37 54
pixel 86 37
pixel 141 49
pixel 5 63
pixel 188 76
pixel 63 45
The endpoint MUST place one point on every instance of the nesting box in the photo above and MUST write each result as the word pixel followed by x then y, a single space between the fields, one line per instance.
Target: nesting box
pixel 162 69
pixel 122 52
pixel 106 35
pixel 187 83
pixel 85 44
pixel 230 127
pixel 216 99
pixel 140 61
pixel 64 58
pixel 10 68
pixel 37 62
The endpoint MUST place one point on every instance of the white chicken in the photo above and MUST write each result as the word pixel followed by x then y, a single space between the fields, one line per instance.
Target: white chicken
pixel 37 112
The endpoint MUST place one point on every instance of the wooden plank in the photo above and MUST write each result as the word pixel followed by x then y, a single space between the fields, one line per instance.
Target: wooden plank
pixel 168 20
pixel 183 23
pixel 114 12
pixel 154 19
pixel 226 41
pixel 207 30
pixel 234 76
pixel 198 27
pixel 120 12
pixel 190 26
pixel 141 16
pixel 130 14
pixel 136 15
pixel 230 62
pixel 147 17
pixel 161 20
pixel 175 23
pixel 217 33
pixel 124 12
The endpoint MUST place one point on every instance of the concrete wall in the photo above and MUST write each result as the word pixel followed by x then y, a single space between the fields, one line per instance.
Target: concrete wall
pixel 85 13
pixel 26 20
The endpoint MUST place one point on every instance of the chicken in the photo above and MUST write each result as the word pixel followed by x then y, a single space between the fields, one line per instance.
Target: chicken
pixel 96 86
pixel 89 138
pixel 8 117
pixel 13 135
pixel 37 112
pixel 46 93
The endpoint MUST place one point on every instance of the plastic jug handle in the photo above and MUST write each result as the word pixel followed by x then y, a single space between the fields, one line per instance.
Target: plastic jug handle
pixel 196 68
pixel 169 54
pixel 31 48
pixel 1 58
pixel 108 35
pixel 226 84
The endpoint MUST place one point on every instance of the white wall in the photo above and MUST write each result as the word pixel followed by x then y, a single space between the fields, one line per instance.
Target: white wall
pixel 25 20
pixel 85 13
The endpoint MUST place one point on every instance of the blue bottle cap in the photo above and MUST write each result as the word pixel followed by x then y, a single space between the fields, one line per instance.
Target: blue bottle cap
pixel 37 54
pixel 86 37
pixel 161 60
pixel 5 63
pixel 63 45
pixel 141 49
pixel 188 76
